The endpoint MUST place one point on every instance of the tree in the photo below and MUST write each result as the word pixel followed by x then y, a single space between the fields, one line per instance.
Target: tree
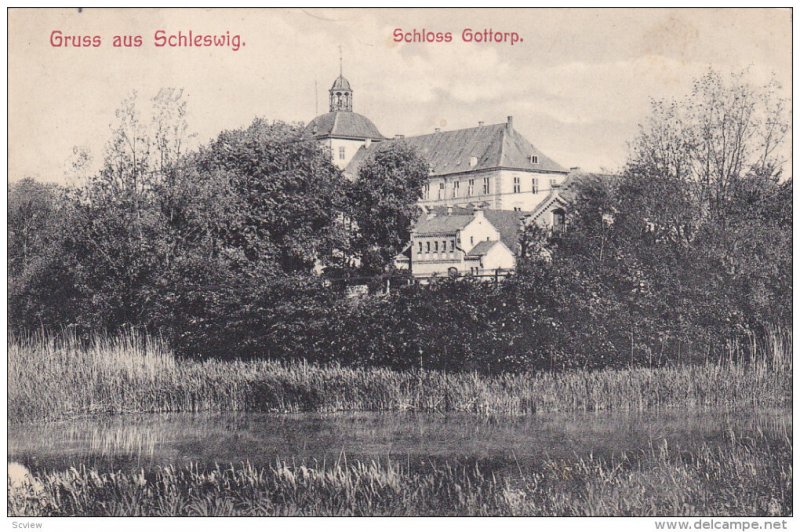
pixel 384 203
pixel 41 276
pixel 33 212
pixel 707 142
pixel 288 197
pixel 689 248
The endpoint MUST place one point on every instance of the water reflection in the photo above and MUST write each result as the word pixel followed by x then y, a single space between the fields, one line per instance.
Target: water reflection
pixel 161 439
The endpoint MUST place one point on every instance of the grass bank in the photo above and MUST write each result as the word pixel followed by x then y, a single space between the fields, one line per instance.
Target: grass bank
pixel 736 477
pixel 54 377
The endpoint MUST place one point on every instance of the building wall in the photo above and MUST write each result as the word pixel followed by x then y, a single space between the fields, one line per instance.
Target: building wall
pixel 350 149
pixel 462 198
pixel 435 254
pixel 440 248
pixel 478 230
pixel 499 257
pixel 501 189
pixel 526 199
pixel 546 218
pixel 438 254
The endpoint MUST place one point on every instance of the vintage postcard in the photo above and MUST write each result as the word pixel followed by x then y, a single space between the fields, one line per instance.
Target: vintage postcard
pixel 400 262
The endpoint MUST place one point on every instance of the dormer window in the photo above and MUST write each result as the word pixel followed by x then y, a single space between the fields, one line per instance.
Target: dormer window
pixel 534 159
pixel 473 161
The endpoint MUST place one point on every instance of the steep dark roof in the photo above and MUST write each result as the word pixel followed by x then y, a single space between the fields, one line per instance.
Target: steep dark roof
pixel 493 146
pixel 481 248
pixel 507 223
pixel 442 225
pixel 345 124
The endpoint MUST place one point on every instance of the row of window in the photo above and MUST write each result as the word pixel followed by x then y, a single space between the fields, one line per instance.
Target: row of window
pixel 455 191
pixel 435 247
pixel 534 184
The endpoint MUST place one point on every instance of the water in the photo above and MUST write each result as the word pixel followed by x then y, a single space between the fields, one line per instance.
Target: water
pixel 146 441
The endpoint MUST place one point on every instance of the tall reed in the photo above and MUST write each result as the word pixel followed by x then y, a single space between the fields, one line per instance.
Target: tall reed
pixel 744 476
pixel 57 376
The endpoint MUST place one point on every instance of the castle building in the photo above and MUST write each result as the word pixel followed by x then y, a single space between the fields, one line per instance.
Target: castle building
pixel 475 173
pixel 462 240
pixel 341 129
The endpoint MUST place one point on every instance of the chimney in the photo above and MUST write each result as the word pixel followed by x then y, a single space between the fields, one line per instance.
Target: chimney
pixel 438 130
pixel 367 143
pixel 480 124
pixel 510 123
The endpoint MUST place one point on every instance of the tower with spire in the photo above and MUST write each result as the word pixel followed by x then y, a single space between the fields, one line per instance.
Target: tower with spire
pixel 341 94
pixel 341 129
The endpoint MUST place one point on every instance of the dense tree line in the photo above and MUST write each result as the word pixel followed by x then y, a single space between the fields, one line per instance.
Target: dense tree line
pixel 227 250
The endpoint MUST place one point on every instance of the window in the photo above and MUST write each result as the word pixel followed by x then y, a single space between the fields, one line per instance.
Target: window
pixel 455 188
pixel 553 183
pixel 471 240
pixel 534 185
pixel 452 246
pixel 534 159
pixel 516 185
pixel 420 248
pixel 428 246
pixel 444 246
pixel 485 185
pixel 559 220
pixel 517 209
pixel 441 191
pixel 341 153
pixel 427 191
pixel 471 188
pixel 436 247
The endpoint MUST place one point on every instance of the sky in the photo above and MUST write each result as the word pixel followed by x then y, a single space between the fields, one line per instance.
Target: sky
pixel 577 85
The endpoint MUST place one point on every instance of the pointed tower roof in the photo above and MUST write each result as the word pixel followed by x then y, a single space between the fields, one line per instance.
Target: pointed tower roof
pixel 341 122
pixel 341 84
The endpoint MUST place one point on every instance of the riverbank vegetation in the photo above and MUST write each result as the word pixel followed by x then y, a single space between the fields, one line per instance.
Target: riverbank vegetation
pixel 240 250
pixel 738 476
pixel 57 377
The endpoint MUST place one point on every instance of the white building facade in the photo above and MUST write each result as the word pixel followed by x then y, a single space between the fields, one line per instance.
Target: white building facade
pixel 490 174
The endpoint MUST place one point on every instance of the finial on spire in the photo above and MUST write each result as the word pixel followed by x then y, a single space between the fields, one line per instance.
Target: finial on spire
pixel 341 92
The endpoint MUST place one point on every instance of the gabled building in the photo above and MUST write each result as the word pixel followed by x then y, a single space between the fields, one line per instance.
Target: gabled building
pixel 485 182
pixel 490 165
pixel 466 242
